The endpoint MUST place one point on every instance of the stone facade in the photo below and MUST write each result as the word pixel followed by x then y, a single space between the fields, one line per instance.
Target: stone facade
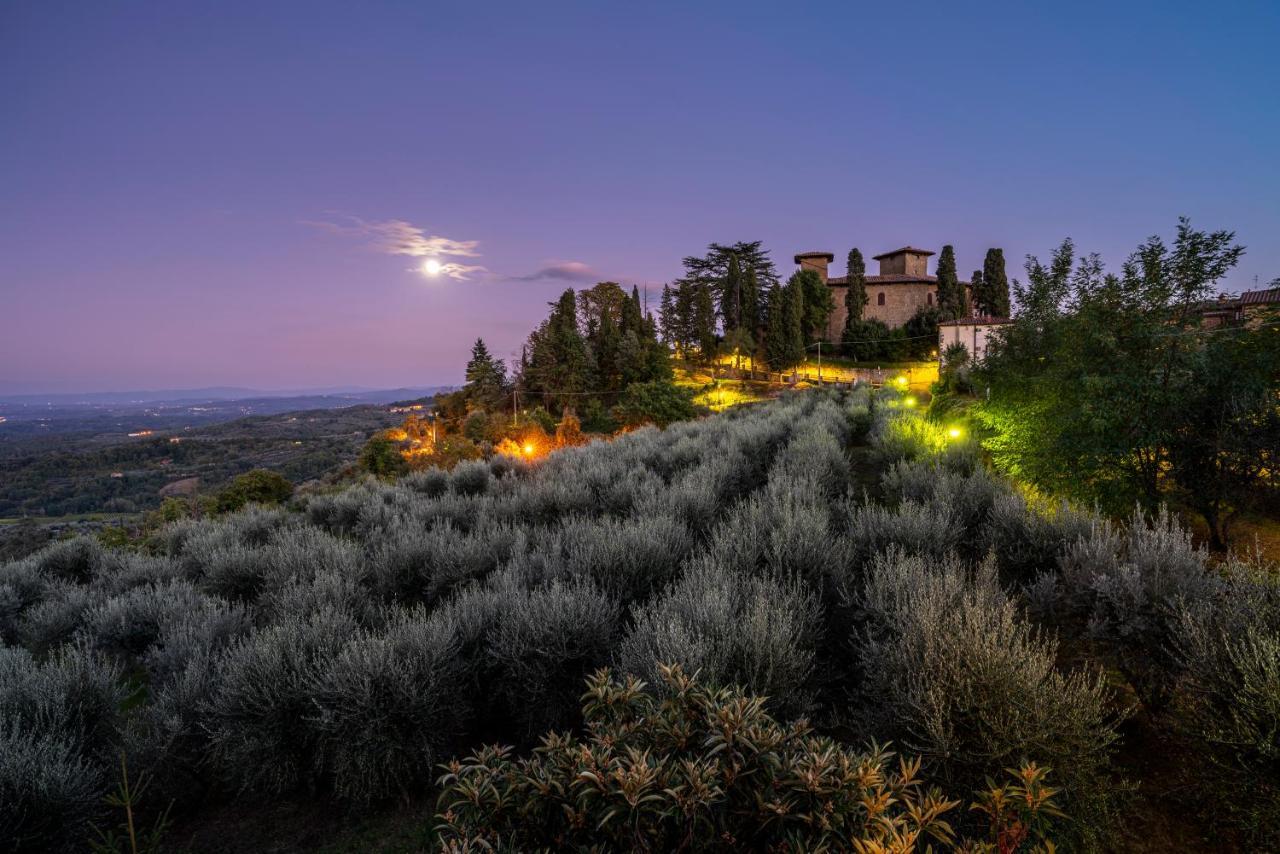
pixel 902 287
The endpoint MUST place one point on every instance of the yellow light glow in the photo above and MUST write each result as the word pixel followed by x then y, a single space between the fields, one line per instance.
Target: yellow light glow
pixel 954 432
pixel 431 267
pixel 909 402
pixel 528 449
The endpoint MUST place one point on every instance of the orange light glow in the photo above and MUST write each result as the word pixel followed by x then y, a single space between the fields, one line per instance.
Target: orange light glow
pixel 528 449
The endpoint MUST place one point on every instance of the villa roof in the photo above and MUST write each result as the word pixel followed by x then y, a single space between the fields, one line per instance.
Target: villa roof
pixel 826 255
pixel 906 250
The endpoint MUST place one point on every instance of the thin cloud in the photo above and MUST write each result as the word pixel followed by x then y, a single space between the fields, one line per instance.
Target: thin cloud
pixel 565 271
pixel 460 272
pixel 398 237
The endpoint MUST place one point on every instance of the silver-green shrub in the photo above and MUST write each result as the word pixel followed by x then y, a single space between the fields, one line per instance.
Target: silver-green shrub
pixel 953 671
pixel 733 628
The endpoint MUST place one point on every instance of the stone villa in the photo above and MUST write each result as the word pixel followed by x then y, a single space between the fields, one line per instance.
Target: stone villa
pixel 902 287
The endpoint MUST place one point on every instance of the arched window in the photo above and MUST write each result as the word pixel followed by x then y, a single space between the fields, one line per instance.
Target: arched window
pixel 930 297
pixel 880 298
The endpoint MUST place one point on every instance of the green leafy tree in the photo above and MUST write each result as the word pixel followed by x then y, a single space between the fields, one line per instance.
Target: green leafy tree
pixel 995 285
pixel 656 402
pixel 855 296
pixel 258 486
pixel 1106 388
pixel 950 291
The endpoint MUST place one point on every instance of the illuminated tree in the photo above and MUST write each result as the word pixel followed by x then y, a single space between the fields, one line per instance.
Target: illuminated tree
pixel 1107 388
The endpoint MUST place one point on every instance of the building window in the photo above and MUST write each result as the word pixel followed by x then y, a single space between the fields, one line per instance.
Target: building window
pixel 930 297
pixel 880 298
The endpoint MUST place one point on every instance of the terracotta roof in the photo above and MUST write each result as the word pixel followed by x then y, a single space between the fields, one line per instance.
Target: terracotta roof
pixel 906 250
pixel 1271 295
pixel 977 321
pixel 826 255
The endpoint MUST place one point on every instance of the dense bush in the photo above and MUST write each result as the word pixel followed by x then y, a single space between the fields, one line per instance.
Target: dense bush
pixel 732 629
pixel 59 727
pixel 1228 652
pixel 954 673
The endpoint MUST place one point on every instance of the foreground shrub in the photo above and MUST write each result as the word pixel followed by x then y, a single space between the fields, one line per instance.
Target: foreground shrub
pixel 698 769
pixel 1229 652
pixel 954 673
pixel 388 707
pixel 758 632
pixel 48 792
pixel 258 727
pixel 1130 583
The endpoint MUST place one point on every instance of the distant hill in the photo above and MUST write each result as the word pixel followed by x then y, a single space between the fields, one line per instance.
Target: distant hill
pixel 218 393
pixel 116 458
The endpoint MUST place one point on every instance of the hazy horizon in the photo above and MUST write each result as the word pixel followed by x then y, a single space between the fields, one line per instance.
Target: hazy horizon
pixel 240 194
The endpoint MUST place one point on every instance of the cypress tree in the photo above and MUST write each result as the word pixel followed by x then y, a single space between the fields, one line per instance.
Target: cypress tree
pixel 995 283
pixel 793 321
pixel 731 294
pixel 855 297
pixel 950 294
pixel 704 321
pixel 978 292
pixel 667 314
pixel 818 303
pixel 752 319
pixel 775 337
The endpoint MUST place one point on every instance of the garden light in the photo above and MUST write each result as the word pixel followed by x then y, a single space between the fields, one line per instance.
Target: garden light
pixel 954 432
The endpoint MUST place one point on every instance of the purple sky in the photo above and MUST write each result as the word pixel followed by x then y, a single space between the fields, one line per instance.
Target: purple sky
pixel 206 194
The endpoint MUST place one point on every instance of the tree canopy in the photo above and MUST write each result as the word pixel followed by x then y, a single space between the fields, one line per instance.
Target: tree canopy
pixel 1109 388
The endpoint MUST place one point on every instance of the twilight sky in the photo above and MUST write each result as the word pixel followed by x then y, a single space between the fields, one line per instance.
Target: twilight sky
pixel 239 193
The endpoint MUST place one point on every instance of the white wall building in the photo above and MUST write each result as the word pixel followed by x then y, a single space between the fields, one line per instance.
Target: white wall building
pixel 972 332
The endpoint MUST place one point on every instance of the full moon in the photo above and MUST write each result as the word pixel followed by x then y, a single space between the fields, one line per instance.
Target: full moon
pixel 431 267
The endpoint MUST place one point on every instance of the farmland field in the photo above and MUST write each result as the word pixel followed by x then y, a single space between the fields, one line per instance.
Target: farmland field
pixel 836 554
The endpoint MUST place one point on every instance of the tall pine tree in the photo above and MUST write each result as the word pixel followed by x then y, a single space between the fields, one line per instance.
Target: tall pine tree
pixel 995 284
pixel 950 293
pixel 486 377
pixel 855 296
